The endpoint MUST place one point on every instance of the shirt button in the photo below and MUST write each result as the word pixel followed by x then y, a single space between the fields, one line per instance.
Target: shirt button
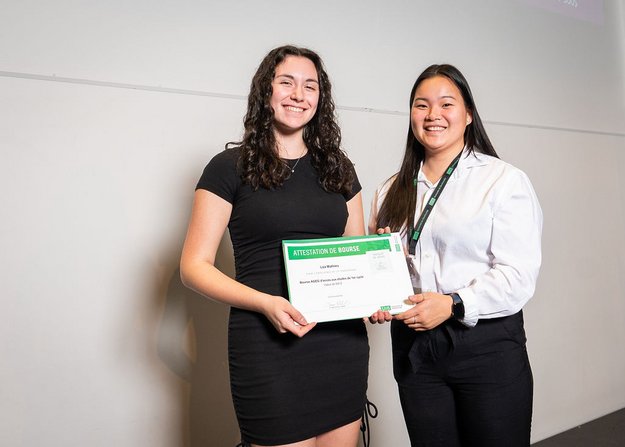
pixel 426 255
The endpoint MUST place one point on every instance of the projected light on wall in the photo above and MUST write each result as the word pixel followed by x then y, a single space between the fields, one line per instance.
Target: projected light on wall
pixel 589 10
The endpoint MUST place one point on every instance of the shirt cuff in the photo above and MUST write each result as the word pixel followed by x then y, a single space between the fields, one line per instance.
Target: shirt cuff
pixel 470 307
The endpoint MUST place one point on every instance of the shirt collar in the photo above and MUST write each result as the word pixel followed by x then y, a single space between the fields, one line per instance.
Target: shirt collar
pixel 467 160
pixel 470 160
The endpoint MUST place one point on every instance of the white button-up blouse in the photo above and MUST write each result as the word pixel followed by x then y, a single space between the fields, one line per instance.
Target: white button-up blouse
pixel 482 239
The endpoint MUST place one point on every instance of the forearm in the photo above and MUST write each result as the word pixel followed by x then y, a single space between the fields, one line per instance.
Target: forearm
pixel 205 279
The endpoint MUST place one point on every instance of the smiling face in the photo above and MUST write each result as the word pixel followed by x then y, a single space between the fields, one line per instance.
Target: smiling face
pixel 439 117
pixel 295 94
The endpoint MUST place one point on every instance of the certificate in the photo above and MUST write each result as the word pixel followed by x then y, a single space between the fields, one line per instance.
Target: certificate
pixel 347 277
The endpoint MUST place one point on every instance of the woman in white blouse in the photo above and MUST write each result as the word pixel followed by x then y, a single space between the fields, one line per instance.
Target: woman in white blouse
pixel 472 227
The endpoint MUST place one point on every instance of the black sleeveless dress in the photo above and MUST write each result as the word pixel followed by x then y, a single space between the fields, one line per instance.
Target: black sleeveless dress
pixel 284 388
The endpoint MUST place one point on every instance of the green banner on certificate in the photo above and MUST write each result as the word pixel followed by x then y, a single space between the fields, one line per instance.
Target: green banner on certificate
pixel 349 277
pixel 330 250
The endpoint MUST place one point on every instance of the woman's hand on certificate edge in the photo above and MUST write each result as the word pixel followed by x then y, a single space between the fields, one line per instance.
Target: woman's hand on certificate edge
pixel 286 318
pixel 385 230
pixel 430 309
pixel 380 317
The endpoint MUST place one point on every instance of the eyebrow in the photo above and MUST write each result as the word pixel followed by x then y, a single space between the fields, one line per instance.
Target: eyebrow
pixel 293 78
pixel 442 97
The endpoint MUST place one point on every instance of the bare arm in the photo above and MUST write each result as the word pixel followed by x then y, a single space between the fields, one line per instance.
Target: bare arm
pixel 209 220
pixel 355 221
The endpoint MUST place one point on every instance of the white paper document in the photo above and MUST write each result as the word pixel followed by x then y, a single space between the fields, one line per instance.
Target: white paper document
pixel 347 277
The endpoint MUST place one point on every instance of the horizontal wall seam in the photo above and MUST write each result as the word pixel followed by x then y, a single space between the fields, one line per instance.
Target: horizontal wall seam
pixel 54 78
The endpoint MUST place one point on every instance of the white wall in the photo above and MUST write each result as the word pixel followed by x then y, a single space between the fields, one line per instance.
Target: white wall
pixel 109 111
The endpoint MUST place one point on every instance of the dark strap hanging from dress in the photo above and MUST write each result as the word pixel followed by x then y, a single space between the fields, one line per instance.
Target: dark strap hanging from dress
pixel 415 232
pixel 370 411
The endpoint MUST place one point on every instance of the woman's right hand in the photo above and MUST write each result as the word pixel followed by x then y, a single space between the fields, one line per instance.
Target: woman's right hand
pixel 383 230
pixel 380 317
pixel 286 318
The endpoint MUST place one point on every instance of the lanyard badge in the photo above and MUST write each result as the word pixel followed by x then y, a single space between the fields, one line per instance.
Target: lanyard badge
pixel 415 232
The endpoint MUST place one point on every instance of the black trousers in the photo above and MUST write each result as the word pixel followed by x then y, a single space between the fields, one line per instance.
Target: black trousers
pixel 465 387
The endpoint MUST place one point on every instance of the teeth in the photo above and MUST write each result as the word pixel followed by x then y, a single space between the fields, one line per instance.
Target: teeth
pixel 294 109
pixel 435 128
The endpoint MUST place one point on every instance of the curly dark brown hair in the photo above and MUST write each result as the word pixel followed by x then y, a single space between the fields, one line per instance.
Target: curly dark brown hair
pixel 259 163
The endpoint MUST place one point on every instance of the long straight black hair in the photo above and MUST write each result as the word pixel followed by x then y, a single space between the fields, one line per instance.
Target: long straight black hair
pixel 398 207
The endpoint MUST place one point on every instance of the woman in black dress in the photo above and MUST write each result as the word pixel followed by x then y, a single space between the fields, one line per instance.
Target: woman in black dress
pixel 293 382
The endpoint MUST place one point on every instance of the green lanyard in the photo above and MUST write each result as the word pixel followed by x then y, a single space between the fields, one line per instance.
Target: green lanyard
pixel 416 230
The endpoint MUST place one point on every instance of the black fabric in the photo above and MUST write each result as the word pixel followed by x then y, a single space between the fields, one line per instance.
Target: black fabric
pixel 464 386
pixel 371 411
pixel 261 219
pixel 286 389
